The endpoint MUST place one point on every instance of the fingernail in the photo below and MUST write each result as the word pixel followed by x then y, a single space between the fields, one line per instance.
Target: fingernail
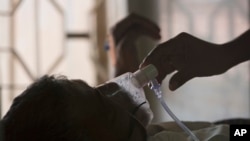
pixel 173 86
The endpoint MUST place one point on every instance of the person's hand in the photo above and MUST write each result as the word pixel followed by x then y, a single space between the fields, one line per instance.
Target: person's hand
pixel 189 57
pixel 122 41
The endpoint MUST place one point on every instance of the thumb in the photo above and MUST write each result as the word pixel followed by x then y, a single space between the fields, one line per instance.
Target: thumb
pixel 178 79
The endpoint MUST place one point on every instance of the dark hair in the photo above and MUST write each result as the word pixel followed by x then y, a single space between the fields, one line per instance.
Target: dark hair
pixel 48 110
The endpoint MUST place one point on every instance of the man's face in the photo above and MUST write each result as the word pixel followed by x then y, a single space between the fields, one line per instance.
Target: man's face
pixel 139 109
pixel 111 121
pixel 121 123
pixel 123 117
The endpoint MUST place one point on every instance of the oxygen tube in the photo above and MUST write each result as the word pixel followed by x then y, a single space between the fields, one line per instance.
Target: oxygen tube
pixel 146 76
pixel 156 87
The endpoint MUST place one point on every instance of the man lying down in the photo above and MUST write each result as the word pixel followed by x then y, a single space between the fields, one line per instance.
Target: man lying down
pixel 55 108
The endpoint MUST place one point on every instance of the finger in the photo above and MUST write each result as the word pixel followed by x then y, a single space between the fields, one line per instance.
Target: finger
pixel 170 53
pixel 159 54
pixel 161 62
pixel 178 79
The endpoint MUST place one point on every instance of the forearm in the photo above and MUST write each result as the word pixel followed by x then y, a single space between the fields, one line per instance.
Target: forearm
pixel 238 50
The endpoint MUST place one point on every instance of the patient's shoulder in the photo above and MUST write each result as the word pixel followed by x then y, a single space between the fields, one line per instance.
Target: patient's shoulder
pixel 203 130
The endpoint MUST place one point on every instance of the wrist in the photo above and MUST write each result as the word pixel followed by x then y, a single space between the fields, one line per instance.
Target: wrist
pixel 239 48
pixel 236 53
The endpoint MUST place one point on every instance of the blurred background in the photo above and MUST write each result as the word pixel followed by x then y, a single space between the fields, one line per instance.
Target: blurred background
pixel 66 37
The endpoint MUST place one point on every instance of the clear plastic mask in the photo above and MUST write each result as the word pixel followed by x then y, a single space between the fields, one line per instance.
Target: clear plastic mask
pixel 134 102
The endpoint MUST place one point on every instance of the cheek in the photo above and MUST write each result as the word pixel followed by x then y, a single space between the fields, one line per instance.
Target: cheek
pixel 144 115
pixel 121 125
pixel 123 100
